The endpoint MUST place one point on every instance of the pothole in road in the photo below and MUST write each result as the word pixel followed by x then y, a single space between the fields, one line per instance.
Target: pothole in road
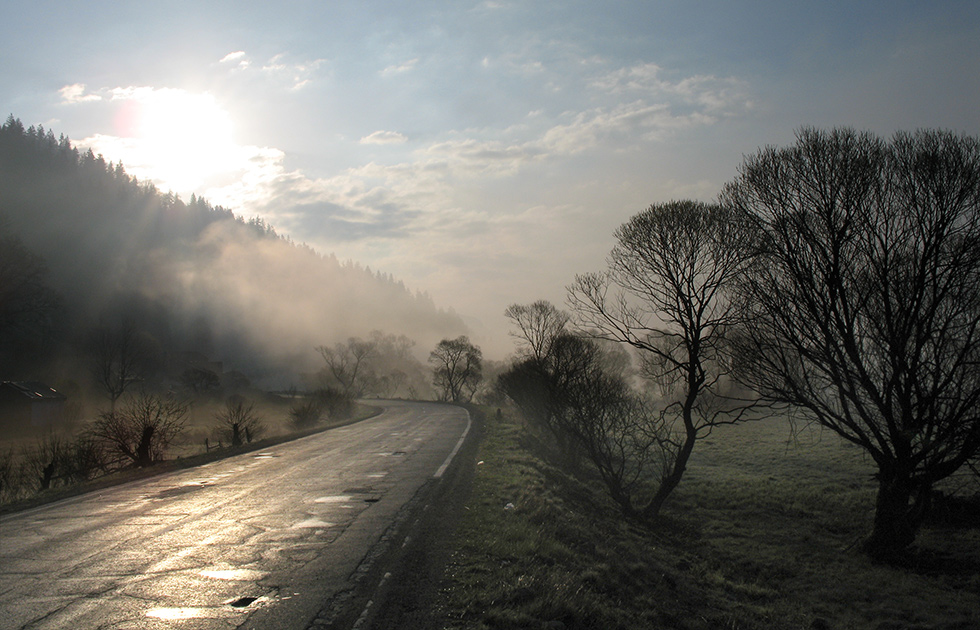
pixel 243 602
pixel 371 498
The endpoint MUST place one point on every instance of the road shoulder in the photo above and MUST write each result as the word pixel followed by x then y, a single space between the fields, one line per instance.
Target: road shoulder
pixel 397 584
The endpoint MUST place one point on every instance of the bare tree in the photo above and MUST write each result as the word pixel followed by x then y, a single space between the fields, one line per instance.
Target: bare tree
pixel 392 366
pixel 48 460
pixel 120 354
pixel 864 303
pixel 587 405
pixel 346 363
pixel 667 294
pixel 551 360
pixel 142 430
pixel 538 325
pixel 306 412
pixel 626 439
pixel 8 479
pixel 238 421
pixel 457 369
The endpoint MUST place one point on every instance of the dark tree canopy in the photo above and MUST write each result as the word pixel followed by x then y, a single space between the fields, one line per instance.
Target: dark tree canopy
pixel 864 301
pixel 27 304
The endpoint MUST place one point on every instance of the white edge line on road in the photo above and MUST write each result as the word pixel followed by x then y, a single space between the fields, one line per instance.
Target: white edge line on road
pixel 449 460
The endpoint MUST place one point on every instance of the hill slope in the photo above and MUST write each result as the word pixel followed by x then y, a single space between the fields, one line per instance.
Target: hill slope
pixel 189 275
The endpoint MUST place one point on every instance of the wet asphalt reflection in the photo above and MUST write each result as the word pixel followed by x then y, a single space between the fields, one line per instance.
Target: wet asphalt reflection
pixel 262 539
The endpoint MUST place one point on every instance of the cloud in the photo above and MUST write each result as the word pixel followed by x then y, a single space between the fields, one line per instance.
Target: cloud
pixel 233 56
pixel 299 74
pixel 418 194
pixel 75 93
pixel 238 58
pixel 625 125
pixel 296 74
pixel 485 157
pixel 400 68
pixel 708 91
pixel 384 137
pixel 454 212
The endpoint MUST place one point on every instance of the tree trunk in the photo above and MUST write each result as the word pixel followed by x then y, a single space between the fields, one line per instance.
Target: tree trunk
pixel 46 475
pixel 897 517
pixel 673 478
pixel 144 454
pixel 671 481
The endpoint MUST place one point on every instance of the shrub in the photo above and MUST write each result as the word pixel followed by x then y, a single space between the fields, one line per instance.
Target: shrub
pixel 140 432
pixel 237 422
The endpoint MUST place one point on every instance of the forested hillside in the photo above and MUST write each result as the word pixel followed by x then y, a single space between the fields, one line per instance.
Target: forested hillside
pixel 87 247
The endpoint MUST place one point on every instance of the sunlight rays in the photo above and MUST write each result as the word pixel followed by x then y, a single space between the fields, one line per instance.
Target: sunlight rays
pixel 179 140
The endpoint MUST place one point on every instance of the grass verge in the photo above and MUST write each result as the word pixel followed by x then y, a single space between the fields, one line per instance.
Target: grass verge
pixel 760 535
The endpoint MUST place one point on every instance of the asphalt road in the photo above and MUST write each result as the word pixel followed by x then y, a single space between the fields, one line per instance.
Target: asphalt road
pixel 261 540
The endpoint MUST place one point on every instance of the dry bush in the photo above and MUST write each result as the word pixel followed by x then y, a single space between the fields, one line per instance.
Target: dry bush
pixel 141 431
pixel 238 421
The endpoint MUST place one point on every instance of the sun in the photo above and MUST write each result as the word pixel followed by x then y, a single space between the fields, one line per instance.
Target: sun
pixel 178 139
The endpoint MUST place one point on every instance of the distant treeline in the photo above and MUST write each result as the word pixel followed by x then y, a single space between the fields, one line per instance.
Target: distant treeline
pixel 86 246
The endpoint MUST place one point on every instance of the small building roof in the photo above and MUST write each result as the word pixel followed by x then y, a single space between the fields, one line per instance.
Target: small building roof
pixel 33 390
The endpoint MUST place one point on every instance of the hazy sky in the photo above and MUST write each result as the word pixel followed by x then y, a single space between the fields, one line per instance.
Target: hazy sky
pixel 481 151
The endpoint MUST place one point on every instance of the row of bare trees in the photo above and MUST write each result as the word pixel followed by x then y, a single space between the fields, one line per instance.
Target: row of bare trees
pixel 380 365
pixel 839 278
pixel 383 365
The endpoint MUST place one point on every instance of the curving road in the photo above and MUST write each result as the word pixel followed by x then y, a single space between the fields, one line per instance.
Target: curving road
pixel 261 540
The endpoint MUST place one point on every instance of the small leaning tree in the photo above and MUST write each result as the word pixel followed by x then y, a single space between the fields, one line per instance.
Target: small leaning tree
pixel 863 307
pixel 667 293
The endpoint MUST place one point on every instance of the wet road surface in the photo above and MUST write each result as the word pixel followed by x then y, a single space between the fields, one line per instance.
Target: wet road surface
pixel 260 540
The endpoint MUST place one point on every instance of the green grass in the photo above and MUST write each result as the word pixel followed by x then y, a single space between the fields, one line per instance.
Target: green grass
pixel 760 534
